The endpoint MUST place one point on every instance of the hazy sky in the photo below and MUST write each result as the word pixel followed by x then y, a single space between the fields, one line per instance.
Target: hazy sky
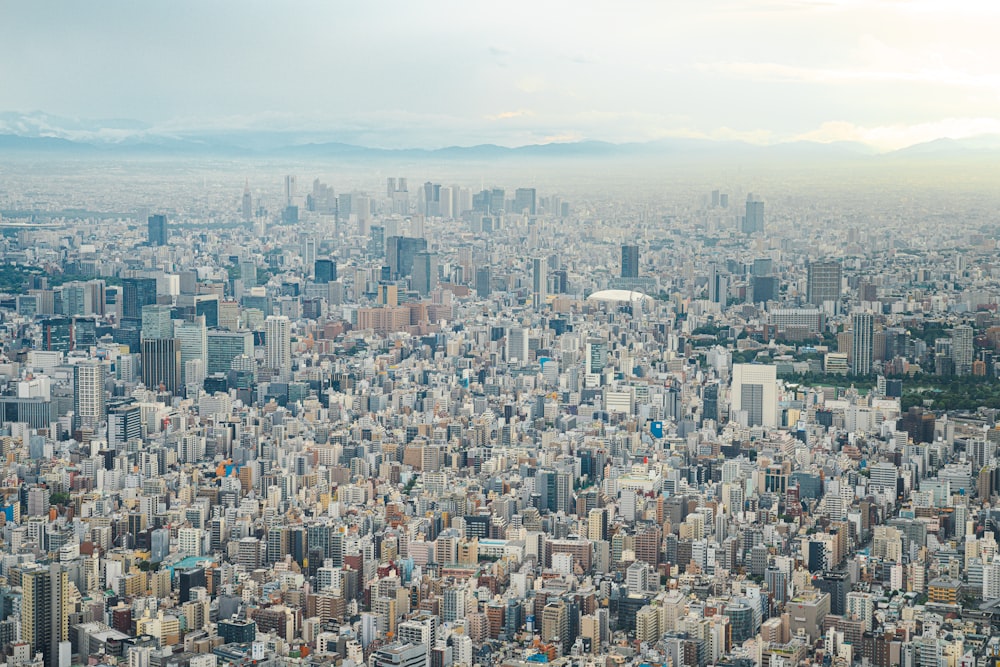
pixel 889 73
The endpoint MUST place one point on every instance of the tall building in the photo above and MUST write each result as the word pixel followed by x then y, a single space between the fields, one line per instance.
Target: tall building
pixel 539 282
pixel 289 191
pixel 524 201
pixel 246 207
pixel 224 346
pixel 555 625
pixel 425 272
pixel 755 391
pixel 161 364
pixel 156 230
pixel 753 221
pixel 483 280
pixel 325 271
pixel 962 351
pixel 823 283
pixel 124 424
pixel 863 343
pixel 630 261
pixel 88 392
pixel 400 253
pixel 157 321
pixel 278 345
pixel 193 338
pixel 45 609
pixel 136 293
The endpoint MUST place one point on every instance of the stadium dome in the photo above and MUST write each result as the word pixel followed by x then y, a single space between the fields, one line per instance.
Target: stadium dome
pixel 620 296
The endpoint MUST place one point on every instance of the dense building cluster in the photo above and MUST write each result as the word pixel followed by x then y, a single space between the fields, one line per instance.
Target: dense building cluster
pixel 459 426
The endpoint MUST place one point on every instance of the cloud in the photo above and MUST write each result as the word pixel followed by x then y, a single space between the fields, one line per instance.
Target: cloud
pixel 507 115
pixel 781 73
pixel 893 137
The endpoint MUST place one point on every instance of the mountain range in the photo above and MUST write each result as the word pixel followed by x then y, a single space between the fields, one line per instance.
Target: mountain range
pixel 42 134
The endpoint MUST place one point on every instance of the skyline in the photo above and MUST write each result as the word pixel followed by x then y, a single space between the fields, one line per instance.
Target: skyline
pixel 418 77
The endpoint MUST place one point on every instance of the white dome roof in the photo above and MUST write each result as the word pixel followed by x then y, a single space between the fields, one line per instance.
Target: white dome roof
pixel 620 296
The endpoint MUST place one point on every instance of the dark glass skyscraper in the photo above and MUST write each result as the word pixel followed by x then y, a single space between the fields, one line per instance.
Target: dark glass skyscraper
pixel 137 292
pixel 630 261
pixel 325 271
pixel 156 230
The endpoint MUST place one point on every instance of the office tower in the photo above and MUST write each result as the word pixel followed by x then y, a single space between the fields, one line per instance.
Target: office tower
pixel 718 285
pixel 962 351
pixel 124 424
pixel 555 625
pixel 823 284
pixel 156 230
pixel 278 345
pixel 630 261
pixel 308 252
pixel 88 392
pixel 863 346
pixel 765 288
pixel 539 282
pixel 157 321
pixel 224 346
pixel 246 207
pixel 425 272
pixel 136 293
pixel 753 221
pixel 432 199
pixel 755 391
pixel 45 609
pixel 325 271
pixel 193 338
pixel 483 280
pixel 161 364
pixel 400 251
pixel 525 201
pixel 289 191
pixel 57 334
pixel 517 344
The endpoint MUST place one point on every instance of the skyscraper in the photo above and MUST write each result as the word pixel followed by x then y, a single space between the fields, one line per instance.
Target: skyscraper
pixel 425 272
pixel 483 279
pixel 246 207
pixel 962 351
pixel 823 283
pixel 278 345
pixel 400 251
pixel 630 261
pixel 161 364
pixel 157 321
pixel 45 610
pixel 753 221
pixel 525 201
pixel 539 282
pixel 88 392
pixel 863 343
pixel 136 293
pixel 156 230
pixel 755 391
pixel 325 271
pixel 193 338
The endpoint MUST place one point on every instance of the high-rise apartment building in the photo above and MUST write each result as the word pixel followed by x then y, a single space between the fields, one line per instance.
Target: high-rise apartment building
pixel 278 345
pixel 539 282
pixel 863 343
pixel 88 392
pixel 45 610
pixel 962 350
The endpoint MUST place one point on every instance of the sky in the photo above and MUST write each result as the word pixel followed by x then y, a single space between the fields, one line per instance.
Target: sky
pixel 888 73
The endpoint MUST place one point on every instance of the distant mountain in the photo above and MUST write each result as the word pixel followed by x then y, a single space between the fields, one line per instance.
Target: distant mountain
pixel 41 133
pixel 985 143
